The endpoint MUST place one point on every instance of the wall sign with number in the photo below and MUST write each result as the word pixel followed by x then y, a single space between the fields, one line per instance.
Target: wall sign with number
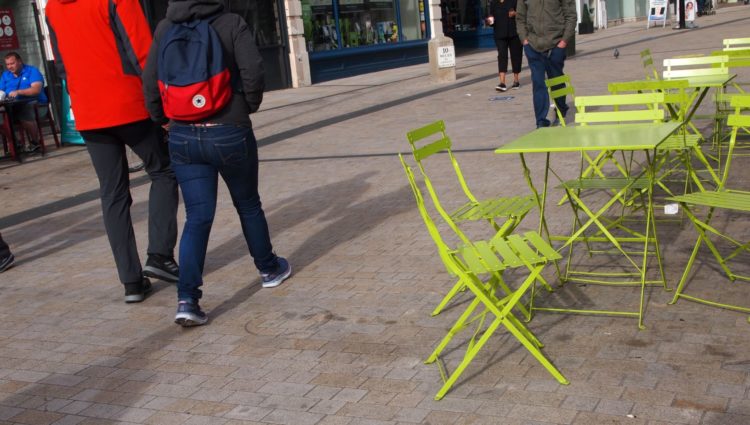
pixel 8 35
pixel 446 57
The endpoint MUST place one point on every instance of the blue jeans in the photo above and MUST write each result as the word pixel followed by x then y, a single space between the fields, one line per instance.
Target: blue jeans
pixel 545 65
pixel 199 155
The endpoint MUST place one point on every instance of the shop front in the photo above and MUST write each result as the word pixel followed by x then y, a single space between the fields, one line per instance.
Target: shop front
pixel 349 37
pixel 266 19
pixel 464 22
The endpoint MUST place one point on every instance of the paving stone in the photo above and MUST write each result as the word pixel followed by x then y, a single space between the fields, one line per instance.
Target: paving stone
pixel 542 413
pixel 289 417
pixel 582 404
pixel 328 407
pixel 248 413
pixel 667 414
pixel 350 394
pixel 9 412
pixel 36 417
pixel 614 407
pixel 99 410
pixel 70 420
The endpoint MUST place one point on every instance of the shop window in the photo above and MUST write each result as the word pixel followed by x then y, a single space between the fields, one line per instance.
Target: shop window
pixel 340 24
pixel 463 15
pixel 261 17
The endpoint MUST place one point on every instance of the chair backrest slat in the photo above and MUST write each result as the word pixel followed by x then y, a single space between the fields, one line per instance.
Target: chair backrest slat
pixel 736 43
pixel 635 107
pixel 675 91
pixel 695 67
pixel 433 148
pixel 619 116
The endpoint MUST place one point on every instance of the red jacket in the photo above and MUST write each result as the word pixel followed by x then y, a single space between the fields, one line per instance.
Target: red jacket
pixel 100 48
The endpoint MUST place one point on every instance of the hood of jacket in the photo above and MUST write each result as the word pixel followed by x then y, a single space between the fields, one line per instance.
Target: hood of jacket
pixel 188 10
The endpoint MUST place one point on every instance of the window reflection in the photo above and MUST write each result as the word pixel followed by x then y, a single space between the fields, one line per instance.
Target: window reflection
pixel 262 18
pixel 355 23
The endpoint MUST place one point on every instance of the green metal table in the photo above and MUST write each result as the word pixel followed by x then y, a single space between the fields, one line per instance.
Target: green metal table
pixel 626 137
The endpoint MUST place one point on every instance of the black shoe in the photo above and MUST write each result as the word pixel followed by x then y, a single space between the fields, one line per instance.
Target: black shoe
pixel 7 262
pixel 162 267
pixel 516 85
pixel 501 87
pixel 32 148
pixel 189 313
pixel 136 292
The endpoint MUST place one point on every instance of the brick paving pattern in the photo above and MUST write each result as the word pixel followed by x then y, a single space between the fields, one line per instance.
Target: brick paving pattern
pixel 343 341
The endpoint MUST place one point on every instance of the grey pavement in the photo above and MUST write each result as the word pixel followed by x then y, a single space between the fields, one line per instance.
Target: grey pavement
pixel 343 341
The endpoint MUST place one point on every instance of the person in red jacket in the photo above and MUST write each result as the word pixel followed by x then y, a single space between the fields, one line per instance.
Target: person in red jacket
pixel 100 48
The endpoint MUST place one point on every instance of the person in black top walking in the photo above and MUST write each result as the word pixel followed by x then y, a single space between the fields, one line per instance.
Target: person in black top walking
pixel 502 17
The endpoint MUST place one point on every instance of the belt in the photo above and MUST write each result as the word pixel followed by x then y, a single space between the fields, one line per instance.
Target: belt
pixel 205 124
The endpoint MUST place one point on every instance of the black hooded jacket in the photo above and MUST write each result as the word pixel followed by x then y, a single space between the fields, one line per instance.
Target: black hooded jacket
pixel 240 53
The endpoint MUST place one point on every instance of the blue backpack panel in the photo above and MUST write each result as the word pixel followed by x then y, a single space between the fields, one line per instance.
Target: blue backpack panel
pixel 194 81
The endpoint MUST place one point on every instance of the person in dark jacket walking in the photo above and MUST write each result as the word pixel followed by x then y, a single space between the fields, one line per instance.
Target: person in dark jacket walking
pixel 502 17
pixel 100 48
pixel 545 28
pixel 222 144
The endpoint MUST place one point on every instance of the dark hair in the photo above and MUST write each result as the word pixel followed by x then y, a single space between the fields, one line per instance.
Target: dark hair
pixel 14 55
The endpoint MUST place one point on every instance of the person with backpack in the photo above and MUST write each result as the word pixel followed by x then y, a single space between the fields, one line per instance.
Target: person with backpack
pixel 545 28
pixel 203 79
pixel 100 48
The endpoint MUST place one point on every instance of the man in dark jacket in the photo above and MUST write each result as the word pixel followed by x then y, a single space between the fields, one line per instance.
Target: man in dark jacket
pixel 100 47
pixel 545 27
pixel 222 143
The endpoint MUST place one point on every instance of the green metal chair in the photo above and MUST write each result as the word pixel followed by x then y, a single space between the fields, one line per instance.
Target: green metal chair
pixel 560 87
pixel 473 261
pixel 737 60
pixel 676 153
pixel 503 213
pixel 648 65
pixel 629 182
pixel 724 199
pixel 695 70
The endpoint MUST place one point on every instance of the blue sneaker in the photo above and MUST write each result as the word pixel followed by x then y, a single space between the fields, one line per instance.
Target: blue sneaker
pixel 189 313
pixel 274 279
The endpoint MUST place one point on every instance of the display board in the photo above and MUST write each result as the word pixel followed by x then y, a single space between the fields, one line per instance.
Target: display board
pixel 657 13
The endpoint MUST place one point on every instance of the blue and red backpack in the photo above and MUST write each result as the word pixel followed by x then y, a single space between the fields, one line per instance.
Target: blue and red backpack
pixel 194 81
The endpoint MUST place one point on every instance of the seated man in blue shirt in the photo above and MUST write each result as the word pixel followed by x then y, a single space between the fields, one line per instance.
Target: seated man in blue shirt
pixel 24 82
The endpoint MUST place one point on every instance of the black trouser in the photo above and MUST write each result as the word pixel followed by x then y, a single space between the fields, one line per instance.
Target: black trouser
pixel 4 248
pixel 516 54
pixel 106 147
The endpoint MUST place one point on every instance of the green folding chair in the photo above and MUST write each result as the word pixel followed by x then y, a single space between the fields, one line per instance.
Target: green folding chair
pixel 674 154
pixel 697 70
pixel 648 65
pixel 503 213
pixel 737 61
pixel 627 183
pixel 720 199
pixel 558 87
pixel 473 261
